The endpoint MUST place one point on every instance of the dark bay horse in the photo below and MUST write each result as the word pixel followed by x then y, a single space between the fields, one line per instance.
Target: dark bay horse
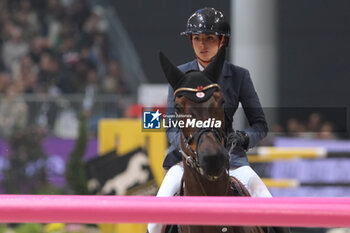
pixel 197 98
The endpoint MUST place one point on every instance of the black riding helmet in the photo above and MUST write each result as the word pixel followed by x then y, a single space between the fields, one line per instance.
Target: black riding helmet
pixel 207 21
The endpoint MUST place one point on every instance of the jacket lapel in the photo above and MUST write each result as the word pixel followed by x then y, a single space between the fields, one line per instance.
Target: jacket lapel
pixel 225 80
pixel 192 65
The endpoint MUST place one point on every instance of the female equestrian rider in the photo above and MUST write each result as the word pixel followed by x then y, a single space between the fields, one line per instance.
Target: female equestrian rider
pixel 208 31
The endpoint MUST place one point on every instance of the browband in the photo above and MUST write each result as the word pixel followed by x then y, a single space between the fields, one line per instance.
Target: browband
pixel 197 89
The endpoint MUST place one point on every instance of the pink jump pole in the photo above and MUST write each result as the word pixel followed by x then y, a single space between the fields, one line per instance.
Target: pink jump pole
pixel 277 211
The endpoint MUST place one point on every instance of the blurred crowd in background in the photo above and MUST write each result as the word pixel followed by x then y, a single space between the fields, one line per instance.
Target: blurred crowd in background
pixel 52 48
pixel 55 48
pixel 314 127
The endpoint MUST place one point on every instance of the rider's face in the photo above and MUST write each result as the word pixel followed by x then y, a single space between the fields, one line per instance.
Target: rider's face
pixel 205 46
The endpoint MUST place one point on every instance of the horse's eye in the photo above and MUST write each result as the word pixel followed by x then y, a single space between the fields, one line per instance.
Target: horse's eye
pixel 178 108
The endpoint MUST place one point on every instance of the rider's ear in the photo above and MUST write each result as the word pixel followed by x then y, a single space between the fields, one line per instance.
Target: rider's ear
pixel 172 73
pixel 213 70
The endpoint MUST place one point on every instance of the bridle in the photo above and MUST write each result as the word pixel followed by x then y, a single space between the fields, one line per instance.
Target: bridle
pixel 192 161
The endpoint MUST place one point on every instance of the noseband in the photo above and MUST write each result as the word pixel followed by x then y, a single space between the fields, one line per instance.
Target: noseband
pixel 197 134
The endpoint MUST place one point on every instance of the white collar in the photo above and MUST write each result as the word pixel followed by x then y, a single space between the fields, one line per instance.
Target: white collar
pixel 201 68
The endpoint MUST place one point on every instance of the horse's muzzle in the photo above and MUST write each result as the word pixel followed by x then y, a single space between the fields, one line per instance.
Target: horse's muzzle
pixel 212 155
pixel 212 166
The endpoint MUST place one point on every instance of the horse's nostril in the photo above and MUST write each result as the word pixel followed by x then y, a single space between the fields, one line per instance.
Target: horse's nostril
pixel 212 164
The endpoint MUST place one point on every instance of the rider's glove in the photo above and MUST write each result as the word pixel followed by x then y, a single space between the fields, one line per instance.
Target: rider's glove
pixel 238 138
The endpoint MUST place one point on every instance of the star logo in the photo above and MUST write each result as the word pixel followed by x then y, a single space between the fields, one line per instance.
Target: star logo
pixel 155 115
pixel 151 120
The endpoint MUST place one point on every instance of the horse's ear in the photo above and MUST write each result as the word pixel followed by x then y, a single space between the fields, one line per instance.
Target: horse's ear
pixel 172 73
pixel 215 67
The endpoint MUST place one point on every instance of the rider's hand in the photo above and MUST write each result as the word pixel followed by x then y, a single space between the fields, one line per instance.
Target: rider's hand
pixel 237 138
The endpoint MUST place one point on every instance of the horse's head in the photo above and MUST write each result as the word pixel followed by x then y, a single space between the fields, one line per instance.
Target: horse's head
pixel 199 103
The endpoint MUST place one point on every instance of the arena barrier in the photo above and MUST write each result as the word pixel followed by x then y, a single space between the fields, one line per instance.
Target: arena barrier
pixel 270 154
pixel 277 211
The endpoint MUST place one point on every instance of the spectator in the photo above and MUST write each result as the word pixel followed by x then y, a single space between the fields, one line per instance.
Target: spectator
pixel 6 28
pixel 75 78
pixel 68 51
pixel 327 131
pixel 4 13
pixel 13 111
pixel 5 80
pixel 30 82
pixel 38 46
pixel 314 123
pixel 5 22
pixel 54 16
pixel 27 19
pixel 78 13
pixel 113 83
pixel 23 67
pixel 99 53
pixel 293 127
pixel 96 22
pixel 14 48
pixel 48 77
pixel 92 83
pixel 84 52
pixel 54 11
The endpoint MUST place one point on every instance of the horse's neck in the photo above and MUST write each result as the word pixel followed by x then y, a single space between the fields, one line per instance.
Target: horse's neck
pixel 197 185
